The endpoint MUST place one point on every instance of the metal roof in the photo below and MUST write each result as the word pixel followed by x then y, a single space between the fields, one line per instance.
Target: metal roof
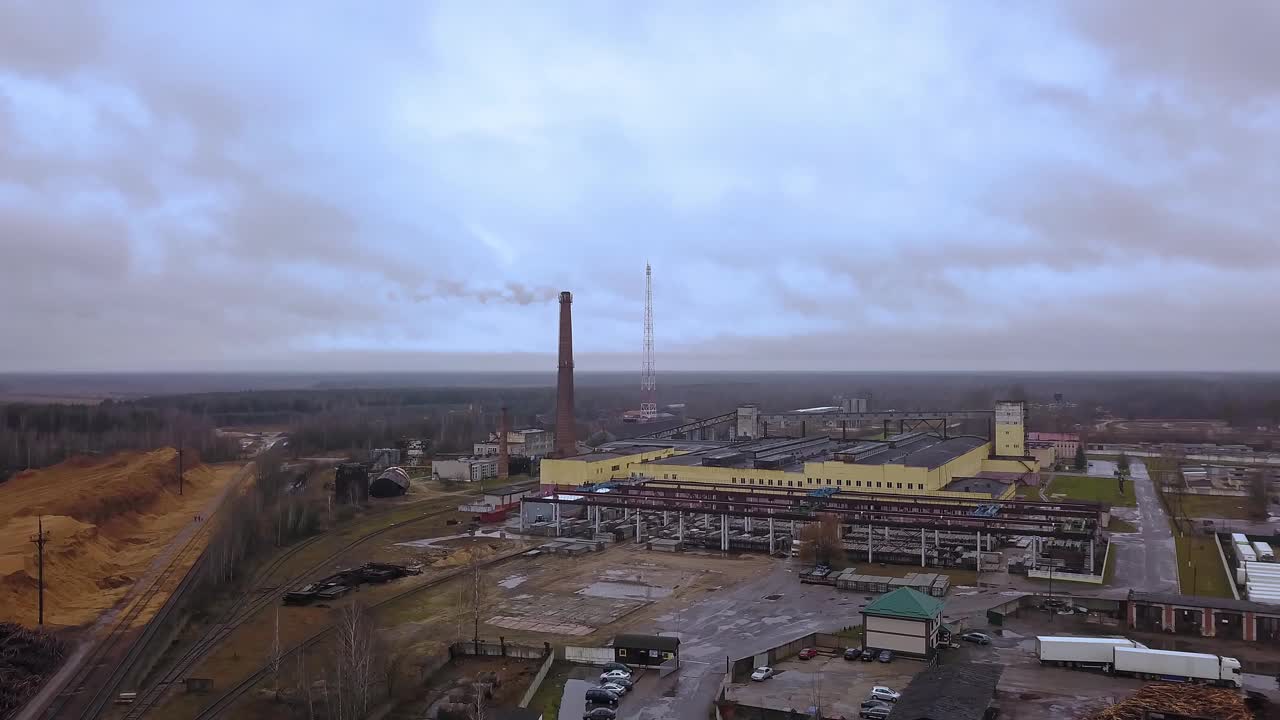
pixel 665 643
pixel 1204 602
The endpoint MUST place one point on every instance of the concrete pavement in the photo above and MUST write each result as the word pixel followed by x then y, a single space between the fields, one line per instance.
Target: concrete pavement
pixel 1146 560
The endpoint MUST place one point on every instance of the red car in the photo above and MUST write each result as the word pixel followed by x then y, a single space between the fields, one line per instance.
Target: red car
pixel 808 654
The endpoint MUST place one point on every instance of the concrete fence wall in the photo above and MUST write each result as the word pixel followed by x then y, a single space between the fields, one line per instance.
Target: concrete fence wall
pixel 499 649
pixel 588 655
pixel 537 680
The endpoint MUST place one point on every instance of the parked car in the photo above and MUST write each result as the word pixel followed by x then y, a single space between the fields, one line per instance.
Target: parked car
pixel 868 654
pixel 601 697
pixel 870 703
pixel 600 713
pixel 876 713
pixel 852 653
pixel 884 694
pixel 623 680
pixel 611 675
pixel 615 688
pixel 808 654
pixel 885 656
pixel 977 637
pixel 617 666
pixel 762 673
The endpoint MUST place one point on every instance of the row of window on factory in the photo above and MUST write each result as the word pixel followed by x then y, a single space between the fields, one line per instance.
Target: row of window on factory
pixel 879 485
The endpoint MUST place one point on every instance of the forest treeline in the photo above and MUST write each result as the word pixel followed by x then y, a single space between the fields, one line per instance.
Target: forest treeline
pixel 33 436
pixel 453 417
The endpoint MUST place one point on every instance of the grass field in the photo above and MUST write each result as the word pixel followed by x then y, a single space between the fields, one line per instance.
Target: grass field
pixel 1210 506
pixel 1082 487
pixel 547 699
pixel 1028 492
pixel 1200 570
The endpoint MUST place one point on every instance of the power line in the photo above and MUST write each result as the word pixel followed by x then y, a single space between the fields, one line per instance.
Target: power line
pixel 41 538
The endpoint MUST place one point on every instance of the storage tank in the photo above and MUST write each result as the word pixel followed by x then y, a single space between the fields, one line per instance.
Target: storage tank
pixel 392 482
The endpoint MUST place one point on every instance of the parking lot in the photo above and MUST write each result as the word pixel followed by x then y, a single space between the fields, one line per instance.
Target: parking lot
pixel 828 681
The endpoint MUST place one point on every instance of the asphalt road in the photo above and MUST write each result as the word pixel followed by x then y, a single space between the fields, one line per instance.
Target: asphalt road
pixel 1149 559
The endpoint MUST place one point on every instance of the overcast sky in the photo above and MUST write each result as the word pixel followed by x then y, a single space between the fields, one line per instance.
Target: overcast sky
pixel 818 185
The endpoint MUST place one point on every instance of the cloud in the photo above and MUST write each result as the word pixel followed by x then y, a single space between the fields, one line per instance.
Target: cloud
pixel 828 185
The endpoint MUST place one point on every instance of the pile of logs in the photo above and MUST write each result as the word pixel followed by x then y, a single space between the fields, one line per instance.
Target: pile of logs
pixel 1188 700
pixel 27 657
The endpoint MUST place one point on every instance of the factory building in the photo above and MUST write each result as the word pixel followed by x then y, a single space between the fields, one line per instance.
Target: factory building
pixel 1064 444
pixel 530 443
pixel 914 463
pixel 462 468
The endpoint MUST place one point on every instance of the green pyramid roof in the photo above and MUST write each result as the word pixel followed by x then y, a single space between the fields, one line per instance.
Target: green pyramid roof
pixel 906 603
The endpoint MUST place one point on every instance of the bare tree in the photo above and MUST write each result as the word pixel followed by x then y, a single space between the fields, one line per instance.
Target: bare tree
pixel 1258 494
pixel 822 540
pixel 355 660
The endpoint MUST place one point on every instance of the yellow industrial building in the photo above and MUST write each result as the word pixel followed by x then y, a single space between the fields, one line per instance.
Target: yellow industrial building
pixel 912 463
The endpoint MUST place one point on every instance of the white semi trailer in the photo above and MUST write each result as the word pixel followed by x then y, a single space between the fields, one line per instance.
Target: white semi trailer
pixel 1264 552
pixel 1077 652
pixel 1182 666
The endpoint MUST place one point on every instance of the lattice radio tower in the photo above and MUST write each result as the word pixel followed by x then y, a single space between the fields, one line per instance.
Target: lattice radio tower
pixel 648 380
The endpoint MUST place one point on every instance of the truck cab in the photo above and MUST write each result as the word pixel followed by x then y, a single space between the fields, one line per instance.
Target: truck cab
pixel 1230 669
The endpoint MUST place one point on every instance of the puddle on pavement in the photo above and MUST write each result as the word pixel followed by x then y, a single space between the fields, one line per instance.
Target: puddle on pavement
pixel 624 591
pixel 512 581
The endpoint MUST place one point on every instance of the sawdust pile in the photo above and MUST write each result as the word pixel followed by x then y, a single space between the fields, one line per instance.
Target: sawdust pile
pixel 106 518
pixel 465 556
pixel 1192 700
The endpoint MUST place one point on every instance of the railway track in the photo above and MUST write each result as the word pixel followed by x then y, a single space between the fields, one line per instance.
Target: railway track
pixel 224 701
pixel 113 654
pixel 236 615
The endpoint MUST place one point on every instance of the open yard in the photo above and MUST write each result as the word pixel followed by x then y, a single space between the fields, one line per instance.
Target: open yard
pixel 1200 570
pixel 1097 489
pixel 1027 492
pixel 1210 506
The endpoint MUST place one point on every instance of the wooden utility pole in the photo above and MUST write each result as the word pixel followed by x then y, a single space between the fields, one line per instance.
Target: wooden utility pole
pixel 179 465
pixel 41 538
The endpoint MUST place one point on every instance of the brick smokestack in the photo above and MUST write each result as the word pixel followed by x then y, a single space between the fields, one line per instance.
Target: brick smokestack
pixel 504 457
pixel 566 433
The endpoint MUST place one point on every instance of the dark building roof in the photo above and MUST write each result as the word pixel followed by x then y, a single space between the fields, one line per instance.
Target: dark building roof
pixel 512 489
pixel 1205 602
pixel 927 451
pixel 905 603
pixel 987 486
pixel 647 642
pixel 950 692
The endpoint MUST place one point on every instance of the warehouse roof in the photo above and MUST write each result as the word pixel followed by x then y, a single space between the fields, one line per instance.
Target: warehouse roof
pixel 905 603
pixel 648 642
pixel 928 451
pixel 512 489
pixel 1204 602
pixel 951 692
pixel 607 453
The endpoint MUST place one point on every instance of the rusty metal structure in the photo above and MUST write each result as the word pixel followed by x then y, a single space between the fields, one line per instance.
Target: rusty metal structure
pixel 566 432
